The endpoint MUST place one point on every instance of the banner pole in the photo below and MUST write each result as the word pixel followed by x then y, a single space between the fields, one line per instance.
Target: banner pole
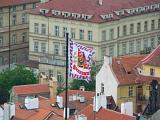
pixel 66 98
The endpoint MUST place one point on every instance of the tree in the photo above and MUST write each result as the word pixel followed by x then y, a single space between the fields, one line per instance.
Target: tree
pixel 17 76
pixel 89 86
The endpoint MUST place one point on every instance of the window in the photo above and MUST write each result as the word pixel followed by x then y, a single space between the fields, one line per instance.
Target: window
pixel 64 50
pixel 131 29
pixel 146 26
pixel 36 28
pixel 103 53
pixel 43 29
pixel 73 33
pixel 130 91
pixel 24 18
pixel 14 39
pixel 24 7
pixel 138 45
pixel 1 21
pixel 56 30
pixel 90 35
pixel 1 60
pixel 43 47
pixel 1 10
pixel 152 24
pixel 102 88
pixel 131 47
pixel 13 9
pixel 158 23
pixel 50 73
pixel 138 27
pixel 81 34
pixel 24 37
pixel 145 43
pixel 64 31
pixel 111 51
pixel 36 44
pixel 56 49
pixel 1 41
pixel 111 34
pixel 14 58
pixel 152 71
pixel 34 5
pixel 14 20
pixel 158 39
pixel 124 30
pixel 152 42
pixel 103 35
pixel 24 56
pixel 117 31
pixel 123 48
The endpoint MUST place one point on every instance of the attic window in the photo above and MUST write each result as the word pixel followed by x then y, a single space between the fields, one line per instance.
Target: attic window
pixel 129 72
pixel 56 12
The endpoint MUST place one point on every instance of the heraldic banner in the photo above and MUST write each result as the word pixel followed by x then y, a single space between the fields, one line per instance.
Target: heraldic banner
pixel 79 61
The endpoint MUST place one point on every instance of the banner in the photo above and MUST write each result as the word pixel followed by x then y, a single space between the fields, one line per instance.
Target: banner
pixel 79 61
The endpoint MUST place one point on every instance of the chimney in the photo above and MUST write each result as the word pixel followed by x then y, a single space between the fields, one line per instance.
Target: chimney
pixel 82 88
pixel 53 87
pixel 100 2
pixel 80 117
pixel 96 103
pixel 60 101
pixel 31 103
pixel 1 113
pixel 9 110
pixel 64 115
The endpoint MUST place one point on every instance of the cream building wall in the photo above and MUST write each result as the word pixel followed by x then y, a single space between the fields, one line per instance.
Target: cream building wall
pixel 19 46
pixel 119 45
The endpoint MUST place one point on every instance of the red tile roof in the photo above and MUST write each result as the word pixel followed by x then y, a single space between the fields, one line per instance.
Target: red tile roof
pixel 103 114
pixel 31 89
pixel 125 67
pixel 4 3
pixel 90 7
pixel 45 109
pixel 153 58
pixel 76 103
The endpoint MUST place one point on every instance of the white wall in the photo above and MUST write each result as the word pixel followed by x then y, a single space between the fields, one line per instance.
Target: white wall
pixel 107 77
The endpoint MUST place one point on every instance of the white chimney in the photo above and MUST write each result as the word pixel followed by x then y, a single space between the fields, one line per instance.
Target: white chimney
pixel 103 101
pixel 31 103
pixel 1 113
pixel 64 115
pixel 127 108
pixel 82 88
pixel 9 110
pixel 60 101
pixel 100 2
pixel 80 117
pixel 96 103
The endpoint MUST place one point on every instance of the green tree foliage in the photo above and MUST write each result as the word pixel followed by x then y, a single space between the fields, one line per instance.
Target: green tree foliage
pixel 89 86
pixel 17 76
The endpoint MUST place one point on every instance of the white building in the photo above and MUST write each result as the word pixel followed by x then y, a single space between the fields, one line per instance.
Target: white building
pixel 110 27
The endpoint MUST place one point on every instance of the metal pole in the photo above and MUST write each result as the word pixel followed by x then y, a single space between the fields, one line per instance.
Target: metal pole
pixel 9 36
pixel 66 98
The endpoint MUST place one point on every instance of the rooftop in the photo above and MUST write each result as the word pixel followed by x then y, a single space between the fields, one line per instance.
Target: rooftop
pixel 103 114
pixel 93 11
pixel 31 89
pixel 5 3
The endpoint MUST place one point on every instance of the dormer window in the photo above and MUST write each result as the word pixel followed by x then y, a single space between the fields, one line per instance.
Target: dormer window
pixel 66 14
pixel 76 15
pixel 56 12
pixel 152 71
pixel 102 88
pixel 44 11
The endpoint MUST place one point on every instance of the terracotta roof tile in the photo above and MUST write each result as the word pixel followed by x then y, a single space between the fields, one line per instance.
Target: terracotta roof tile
pixel 103 114
pixel 90 7
pixel 31 89
pixel 4 3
